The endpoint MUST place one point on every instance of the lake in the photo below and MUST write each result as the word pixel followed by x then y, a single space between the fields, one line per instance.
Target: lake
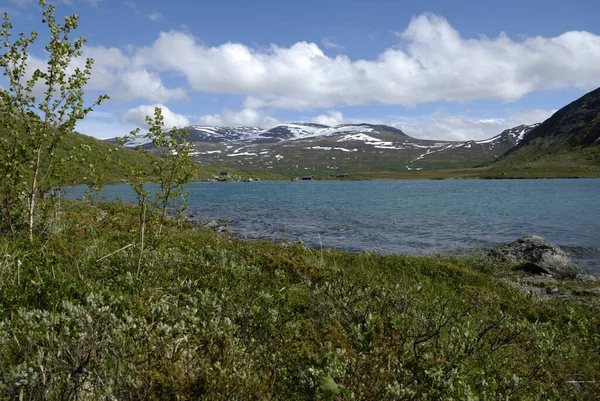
pixel 405 216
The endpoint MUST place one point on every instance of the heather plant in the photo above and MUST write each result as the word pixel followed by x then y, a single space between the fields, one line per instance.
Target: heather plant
pixel 210 317
pixel 84 314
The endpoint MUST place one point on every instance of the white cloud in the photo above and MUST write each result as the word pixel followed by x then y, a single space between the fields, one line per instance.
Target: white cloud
pixel 154 16
pixel 332 118
pixel 114 74
pixel 142 84
pixel 245 117
pixel 103 125
pixel 461 128
pixel 433 64
pixel 137 116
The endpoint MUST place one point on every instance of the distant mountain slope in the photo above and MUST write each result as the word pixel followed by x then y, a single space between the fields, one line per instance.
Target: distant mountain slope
pixel 104 156
pixel 569 139
pixel 298 148
pixel 576 124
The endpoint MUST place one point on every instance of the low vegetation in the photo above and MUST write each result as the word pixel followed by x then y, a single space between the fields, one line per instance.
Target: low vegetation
pixel 109 301
pixel 548 168
pixel 86 314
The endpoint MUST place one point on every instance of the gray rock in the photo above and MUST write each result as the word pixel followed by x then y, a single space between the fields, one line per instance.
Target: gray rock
pixel 536 256
pixel 211 224
pixel 592 291
pixel 541 280
pixel 532 268
pixel 551 290
pixel 587 278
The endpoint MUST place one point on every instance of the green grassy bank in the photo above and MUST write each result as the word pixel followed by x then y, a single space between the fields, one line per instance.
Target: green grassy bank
pixel 198 315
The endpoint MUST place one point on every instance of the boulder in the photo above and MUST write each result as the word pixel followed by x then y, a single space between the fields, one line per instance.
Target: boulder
pixel 536 256
pixel 540 281
pixel 587 278
pixel 211 224
pixel 592 291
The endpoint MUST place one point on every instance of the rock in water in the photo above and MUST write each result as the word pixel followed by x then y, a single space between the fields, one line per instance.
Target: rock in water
pixel 536 255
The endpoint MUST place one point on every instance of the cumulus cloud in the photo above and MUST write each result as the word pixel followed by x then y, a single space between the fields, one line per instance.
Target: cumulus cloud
pixel 462 128
pixel 137 116
pixel 103 125
pixel 332 118
pixel 113 73
pixel 432 63
pixel 142 84
pixel 245 117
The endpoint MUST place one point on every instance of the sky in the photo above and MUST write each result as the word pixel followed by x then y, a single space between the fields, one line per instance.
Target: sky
pixel 436 69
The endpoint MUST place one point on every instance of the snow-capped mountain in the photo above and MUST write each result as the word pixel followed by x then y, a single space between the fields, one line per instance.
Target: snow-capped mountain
pixel 511 136
pixel 305 146
pixel 281 132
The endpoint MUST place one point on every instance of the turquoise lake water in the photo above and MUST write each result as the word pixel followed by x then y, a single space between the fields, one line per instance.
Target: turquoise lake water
pixel 412 217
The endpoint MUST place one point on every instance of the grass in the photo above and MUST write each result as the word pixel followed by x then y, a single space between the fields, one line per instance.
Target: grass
pixel 207 172
pixel 490 172
pixel 196 314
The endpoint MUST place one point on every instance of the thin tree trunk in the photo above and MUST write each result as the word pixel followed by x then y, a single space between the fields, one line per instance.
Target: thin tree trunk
pixel 32 197
pixel 163 213
pixel 162 218
pixel 9 218
pixel 143 228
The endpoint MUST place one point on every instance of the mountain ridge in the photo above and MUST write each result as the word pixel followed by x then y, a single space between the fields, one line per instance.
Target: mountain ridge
pixel 569 140
pixel 295 148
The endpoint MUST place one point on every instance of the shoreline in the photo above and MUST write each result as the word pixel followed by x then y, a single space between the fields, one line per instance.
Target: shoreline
pixel 220 225
pixel 228 310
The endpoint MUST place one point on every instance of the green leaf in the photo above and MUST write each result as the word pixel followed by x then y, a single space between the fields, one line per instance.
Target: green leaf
pixel 328 386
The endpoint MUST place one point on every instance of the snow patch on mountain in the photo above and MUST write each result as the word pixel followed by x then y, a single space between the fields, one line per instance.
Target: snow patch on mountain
pixel 429 151
pixel 331 148
pixel 138 141
pixel 295 132
pixel 360 137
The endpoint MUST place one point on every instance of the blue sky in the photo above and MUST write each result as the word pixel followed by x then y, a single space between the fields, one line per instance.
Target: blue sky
pixel 436 69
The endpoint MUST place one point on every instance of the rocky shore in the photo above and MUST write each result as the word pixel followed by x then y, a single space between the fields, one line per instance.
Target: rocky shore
pixel 546 268
pixel 540 266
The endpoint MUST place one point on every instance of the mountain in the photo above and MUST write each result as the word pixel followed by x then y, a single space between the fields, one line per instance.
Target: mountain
pixel 568 141
pixel 302 148
pixel 103 155
pixel 577 124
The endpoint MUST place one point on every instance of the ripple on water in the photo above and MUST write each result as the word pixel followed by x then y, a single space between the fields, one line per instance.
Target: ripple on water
pixel 406 216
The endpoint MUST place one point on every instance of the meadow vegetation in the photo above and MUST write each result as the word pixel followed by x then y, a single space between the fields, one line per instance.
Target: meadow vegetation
pixel 197 314
pixel 111 301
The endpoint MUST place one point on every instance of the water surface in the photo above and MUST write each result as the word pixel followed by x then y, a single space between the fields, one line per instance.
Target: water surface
pixel 406 216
